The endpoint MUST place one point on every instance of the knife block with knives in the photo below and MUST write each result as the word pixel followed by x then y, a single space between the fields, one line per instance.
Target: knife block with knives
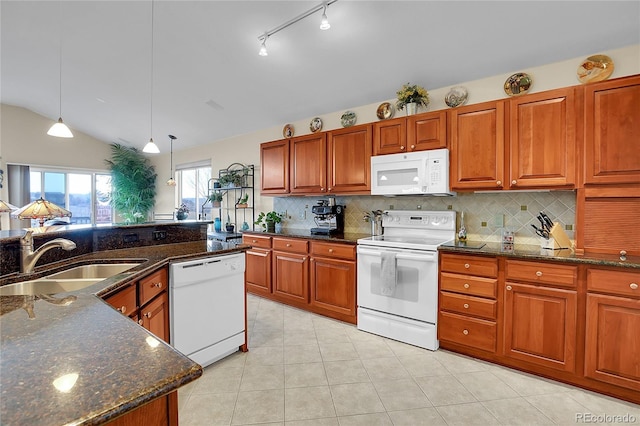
pixel 558 239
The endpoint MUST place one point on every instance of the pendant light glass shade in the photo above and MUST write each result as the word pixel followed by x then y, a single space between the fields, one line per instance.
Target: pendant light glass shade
pixel 60 130
pixel 263 47
pixel 151 147
pixel 324 24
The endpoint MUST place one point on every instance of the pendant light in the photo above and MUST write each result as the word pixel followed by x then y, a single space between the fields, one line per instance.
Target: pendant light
pixel 151 147
pixel 324 23
pixel 171 181
pixel 59 129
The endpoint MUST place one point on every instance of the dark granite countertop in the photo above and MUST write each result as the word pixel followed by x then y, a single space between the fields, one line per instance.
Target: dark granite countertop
pixel 347 237
pixel 535 252
pixel 119 365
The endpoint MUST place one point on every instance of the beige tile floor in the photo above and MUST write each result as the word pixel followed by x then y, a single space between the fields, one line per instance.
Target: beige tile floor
pixel 305 369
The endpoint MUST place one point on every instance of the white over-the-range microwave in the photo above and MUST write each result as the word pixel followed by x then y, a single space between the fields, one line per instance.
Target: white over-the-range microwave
pixel 411 173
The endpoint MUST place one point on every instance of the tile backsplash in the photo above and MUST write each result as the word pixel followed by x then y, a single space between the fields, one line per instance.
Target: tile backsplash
pixel 485 214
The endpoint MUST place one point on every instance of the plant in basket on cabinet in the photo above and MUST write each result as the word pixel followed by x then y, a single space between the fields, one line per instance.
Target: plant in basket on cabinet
pixel 412 96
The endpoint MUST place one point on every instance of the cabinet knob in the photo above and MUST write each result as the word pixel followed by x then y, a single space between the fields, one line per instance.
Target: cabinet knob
pixel 466 306
pixel 509 288
pixel 148 314
pixel 330 250
pixel 322 188
pixel 465 332
pixel 514 182
pixel 499 182
pixel 401 147
pixel 157 285
pixel 122 309
pixel 467 266
pixel 254 241
pixel 140 322
pixel 538 273
pixel 633 286
pixel 413 147
pixel 623 252
pixel 288 244
pixel 466 285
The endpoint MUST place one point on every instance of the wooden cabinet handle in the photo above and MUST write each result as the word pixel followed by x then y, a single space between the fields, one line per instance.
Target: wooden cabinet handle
pixel 509 288
pixel 466 306
pixel 538 273
pixel 467 266
pixel 499 182
pixel 633 286
pixel 465 332
pixel 466 285
pixel 122 309
pixel 157 285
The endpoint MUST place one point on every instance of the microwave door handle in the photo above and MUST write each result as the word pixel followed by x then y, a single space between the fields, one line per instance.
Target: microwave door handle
pixel 430 257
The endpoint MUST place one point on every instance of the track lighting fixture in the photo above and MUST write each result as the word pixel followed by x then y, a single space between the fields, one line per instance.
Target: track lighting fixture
pixel 324 25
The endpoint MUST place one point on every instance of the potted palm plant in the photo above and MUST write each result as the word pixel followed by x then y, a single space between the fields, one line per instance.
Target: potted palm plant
pixel 268 220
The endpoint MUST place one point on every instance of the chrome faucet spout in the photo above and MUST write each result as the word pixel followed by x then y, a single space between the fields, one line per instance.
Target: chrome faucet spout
pixel 29 257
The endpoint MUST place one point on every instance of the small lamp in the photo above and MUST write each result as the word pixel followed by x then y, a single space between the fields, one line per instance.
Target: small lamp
pixel 42 210
pixel 6 207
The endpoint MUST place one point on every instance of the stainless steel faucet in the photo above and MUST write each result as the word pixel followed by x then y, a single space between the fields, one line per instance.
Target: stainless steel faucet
pixel 29 257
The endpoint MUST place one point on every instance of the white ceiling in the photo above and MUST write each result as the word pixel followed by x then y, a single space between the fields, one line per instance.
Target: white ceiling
pixel 207 51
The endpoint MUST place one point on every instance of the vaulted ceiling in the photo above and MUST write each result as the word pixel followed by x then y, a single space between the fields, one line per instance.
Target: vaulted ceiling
pixel 209 82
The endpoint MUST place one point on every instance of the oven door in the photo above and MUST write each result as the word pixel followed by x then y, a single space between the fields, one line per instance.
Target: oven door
pixel 416 291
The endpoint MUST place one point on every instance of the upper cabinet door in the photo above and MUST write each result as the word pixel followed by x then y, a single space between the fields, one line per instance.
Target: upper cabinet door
pixel 309 164
pixel 477 146
pixel 427 131
pixel 612 123
pixel 274 170
pixel 349 156
pixel 543 139
pixel 390 136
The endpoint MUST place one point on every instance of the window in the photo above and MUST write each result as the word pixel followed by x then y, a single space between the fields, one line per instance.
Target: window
pixel 192 188
pixel 84 194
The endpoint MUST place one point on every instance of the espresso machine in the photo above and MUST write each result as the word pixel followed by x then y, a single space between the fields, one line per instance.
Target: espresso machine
pixel 329 217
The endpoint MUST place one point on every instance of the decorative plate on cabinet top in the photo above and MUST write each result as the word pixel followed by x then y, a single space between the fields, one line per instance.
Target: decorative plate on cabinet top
pixel 595 68
pixel 287 131
pixel 385 111
pixel 457 96
pixel 518 84
pixel 315 125
pixel 348 119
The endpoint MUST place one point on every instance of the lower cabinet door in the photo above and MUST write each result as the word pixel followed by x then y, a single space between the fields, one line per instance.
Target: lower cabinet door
pixel 291 277
pixel 333 285
pixel 155 316
pixel 258 271
pixel 612 347
pixel 540 325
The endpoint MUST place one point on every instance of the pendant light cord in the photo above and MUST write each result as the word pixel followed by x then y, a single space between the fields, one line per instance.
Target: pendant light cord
pixel 60 77
pixel 151 109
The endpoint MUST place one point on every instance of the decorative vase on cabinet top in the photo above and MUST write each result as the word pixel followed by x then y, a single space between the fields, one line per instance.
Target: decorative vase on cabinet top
pixel 411 108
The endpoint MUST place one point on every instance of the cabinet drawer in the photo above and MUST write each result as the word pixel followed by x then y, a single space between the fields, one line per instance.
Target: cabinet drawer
pixel 468 305
pixel 152 285
pixel 475 286
pixel 539 272
pixel 470 265
pixel 466 331
pixel 616 282
pixel 124 300
pixel 342 251
pixel 257 241
pixel 291 245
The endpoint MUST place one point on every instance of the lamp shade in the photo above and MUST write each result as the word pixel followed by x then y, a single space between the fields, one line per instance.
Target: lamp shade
pixel 6 207
pixel 60 130
pixel 42 210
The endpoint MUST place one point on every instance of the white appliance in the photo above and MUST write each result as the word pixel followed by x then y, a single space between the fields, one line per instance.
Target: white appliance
pixel 411 173
pixel 398 276
pixel 208 307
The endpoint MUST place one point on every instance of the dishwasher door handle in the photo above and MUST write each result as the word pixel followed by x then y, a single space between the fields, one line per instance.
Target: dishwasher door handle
pixel 192 265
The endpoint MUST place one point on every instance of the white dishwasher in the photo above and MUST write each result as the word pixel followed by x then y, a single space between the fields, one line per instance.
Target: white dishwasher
pixel 208 307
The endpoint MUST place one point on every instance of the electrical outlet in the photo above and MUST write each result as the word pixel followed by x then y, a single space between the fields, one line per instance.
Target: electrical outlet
pixel 303 215
pixel 159 235
pixel 391 207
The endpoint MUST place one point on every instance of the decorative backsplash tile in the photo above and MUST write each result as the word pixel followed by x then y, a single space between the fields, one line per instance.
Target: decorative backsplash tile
pixel 509 209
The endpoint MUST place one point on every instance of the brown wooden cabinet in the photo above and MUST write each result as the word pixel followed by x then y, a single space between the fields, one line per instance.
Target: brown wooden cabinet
pixel 258 264
pixel 612 131
pixel 467 301
pixel 155 316
pixel 414 133
pixel 308 164
pixel 612 346
pixel 333 274
pixel 274 167
pixel 543 139
pixel 162 411
pixel 349 160
pixel 390 136
pixel 290 270
pixel 125 300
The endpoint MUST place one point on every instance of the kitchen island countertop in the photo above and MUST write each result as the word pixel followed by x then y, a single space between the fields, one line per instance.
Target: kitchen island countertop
pixel 117 365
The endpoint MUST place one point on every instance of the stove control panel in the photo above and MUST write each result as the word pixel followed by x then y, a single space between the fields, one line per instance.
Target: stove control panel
pixel 419 219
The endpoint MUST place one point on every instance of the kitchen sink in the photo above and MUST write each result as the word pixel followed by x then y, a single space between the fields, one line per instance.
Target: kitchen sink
pixel 92 271
pixel 46 286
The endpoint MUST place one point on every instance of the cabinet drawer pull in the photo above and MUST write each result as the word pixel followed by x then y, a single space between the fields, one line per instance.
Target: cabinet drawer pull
pixel 623 252
pixel 499 182
pixel 633 286
pixel 466 306
pixel 514 182
pixel 465 332
pixel 148 315
pixel 538 273
pixel 288 244
pixel 413 147
pixel 330 250
pixel 122 309
pixel 157 285
pixel 467 266
pixel 140 322
pixel 401 147
pixel 466 285
pixel 254 241
pixel 509 288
